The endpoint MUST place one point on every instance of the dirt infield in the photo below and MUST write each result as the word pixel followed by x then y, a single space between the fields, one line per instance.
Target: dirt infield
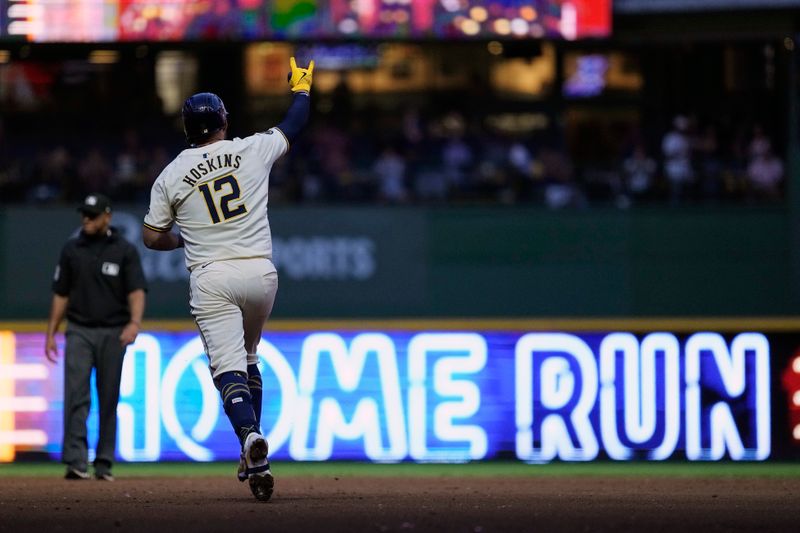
pixel 475 504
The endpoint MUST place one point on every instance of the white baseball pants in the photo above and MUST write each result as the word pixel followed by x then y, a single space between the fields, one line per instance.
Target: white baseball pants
pixel 230 301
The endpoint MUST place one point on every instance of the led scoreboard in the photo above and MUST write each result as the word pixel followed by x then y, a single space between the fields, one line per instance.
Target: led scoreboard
pixel 248 20
pixel 426 396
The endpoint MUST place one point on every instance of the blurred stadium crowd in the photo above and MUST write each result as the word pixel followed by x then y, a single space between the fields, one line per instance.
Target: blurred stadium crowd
pixel 398 120
pixel 407 158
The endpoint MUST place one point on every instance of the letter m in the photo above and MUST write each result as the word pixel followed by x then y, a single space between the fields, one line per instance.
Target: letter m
pixel 321 406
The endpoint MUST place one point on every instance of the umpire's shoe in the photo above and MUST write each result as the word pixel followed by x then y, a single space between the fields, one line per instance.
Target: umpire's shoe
pixel 257 467
pixel 74 472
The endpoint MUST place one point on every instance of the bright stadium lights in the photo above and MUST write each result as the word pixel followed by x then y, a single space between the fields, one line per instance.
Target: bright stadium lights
pixel 348 26
pixel 529 13
pixel 479 14
pixel 451 5
pixel 502 26
pixel 569 21
pixel 470 27
pixel 519 26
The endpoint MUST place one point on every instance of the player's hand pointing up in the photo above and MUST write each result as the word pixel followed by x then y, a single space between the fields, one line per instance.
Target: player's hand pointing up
pixel 300 78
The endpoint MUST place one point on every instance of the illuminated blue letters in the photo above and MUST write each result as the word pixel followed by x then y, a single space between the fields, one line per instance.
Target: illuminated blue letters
pixel 145 352
pixel 366 422
pixel 468 356
pixel 546 362
pixel 189 356
pixel 451 397
pixel 640 405
pixel 740 375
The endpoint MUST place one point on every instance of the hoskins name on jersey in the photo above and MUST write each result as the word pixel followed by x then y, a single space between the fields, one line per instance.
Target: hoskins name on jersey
pixel 219 162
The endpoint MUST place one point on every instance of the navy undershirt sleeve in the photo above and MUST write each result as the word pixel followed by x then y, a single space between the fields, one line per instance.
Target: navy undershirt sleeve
pixel 296 116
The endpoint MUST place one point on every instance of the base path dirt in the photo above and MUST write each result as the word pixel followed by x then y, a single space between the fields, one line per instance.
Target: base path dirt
pixel 474 504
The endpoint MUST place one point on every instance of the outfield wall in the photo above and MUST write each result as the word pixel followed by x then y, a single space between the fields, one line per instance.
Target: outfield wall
pixel 464 262
pixel 440 392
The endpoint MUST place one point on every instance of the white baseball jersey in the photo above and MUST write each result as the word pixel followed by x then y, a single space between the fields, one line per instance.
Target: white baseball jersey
pixel 218 195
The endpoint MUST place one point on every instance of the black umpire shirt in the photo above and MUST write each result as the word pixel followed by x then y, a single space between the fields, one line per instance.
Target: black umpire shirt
pixel 97 273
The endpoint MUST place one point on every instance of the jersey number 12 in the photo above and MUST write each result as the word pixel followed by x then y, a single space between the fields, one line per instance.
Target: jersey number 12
pixel 224 200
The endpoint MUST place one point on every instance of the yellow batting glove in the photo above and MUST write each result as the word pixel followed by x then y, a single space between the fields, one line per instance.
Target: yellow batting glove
pixel 300 78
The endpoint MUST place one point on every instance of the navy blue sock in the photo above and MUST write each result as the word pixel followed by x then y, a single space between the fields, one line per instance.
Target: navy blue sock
pixel 238 403
pixel 254 383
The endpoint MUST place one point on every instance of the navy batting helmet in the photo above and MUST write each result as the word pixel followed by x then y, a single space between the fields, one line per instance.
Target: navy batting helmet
pixel 203 115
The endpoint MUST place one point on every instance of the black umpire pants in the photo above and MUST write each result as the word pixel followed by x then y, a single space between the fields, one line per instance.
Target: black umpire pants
pixel 88 348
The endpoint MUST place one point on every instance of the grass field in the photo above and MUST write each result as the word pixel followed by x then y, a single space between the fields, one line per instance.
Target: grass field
pixel 482 469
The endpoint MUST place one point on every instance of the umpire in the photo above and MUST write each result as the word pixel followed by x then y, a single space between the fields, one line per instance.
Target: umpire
pixel 99 284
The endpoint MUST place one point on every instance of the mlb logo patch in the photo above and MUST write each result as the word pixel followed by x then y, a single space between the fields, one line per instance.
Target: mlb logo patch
pixel 110 269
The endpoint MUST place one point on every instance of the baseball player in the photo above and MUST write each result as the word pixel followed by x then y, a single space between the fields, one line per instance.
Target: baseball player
pixel 216 191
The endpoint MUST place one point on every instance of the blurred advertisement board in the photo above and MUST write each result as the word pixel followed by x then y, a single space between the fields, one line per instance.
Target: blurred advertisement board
pixel 201 20
pixel 374 262
pixel 644 6
pixel 429 395
pixel 327 263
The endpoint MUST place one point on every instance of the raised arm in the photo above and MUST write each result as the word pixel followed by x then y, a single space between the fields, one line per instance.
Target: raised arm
pixel 300 80
pixel 296 116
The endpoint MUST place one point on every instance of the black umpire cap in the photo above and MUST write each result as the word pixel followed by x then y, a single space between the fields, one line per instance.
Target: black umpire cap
pixel 95 204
